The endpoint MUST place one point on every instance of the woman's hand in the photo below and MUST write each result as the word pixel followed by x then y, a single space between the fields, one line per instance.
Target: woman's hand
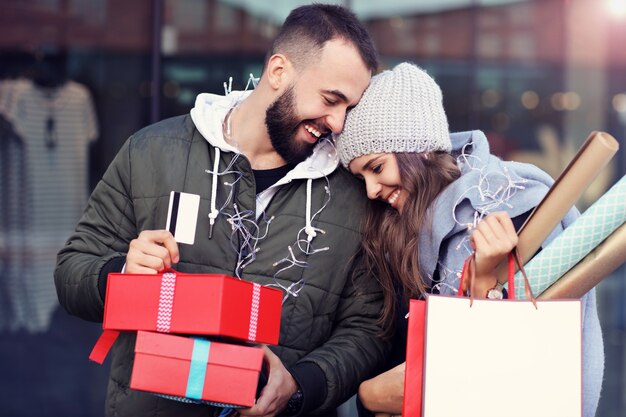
pixel 384 393
pixel 493 239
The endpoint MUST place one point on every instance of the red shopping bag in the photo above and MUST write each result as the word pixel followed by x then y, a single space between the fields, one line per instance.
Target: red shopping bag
pixel 413 379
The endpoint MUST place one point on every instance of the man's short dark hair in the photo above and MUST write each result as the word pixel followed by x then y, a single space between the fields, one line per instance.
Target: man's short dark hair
pixel 308 28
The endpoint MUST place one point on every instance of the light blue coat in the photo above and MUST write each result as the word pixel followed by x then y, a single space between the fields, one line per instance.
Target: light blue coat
pixel 488 184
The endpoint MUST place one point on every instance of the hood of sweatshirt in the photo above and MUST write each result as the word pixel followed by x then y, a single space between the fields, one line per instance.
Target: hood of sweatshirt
pixel 487 184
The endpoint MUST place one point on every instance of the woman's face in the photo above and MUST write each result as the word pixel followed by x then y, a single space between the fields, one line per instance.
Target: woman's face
pixel 382 178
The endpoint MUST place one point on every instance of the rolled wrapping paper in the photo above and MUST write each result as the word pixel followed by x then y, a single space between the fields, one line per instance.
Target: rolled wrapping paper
pixel 596 266
pixel 597 223
pixel 593 155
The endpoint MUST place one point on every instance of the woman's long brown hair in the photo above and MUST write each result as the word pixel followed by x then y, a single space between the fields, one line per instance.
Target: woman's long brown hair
pixel 391 239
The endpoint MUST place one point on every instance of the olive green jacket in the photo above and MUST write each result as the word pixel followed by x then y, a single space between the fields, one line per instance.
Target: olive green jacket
pixel 329 323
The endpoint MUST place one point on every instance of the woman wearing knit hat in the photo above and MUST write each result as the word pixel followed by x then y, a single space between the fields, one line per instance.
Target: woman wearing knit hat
pixel 435 198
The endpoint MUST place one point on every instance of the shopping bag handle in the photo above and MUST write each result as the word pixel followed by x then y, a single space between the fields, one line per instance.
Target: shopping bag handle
pixel 527 289
pixel 469 271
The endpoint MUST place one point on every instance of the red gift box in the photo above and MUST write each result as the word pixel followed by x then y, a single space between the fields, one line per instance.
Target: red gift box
pixel 203 304
pixel 196 369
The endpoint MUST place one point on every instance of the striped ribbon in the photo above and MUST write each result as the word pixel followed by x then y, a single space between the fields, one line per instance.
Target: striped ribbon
pixel 254 311
pixel 166 302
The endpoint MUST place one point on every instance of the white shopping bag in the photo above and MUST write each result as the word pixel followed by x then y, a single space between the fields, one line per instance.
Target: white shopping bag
pixel 502 358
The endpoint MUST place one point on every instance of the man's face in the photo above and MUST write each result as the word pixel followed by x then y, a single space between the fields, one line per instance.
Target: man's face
pixel 282 125
pixel 314 104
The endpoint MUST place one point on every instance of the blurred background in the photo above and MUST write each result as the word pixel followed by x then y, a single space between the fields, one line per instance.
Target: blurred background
pixel 77 77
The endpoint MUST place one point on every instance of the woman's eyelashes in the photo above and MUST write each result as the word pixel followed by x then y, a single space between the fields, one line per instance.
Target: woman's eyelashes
pixel 377 169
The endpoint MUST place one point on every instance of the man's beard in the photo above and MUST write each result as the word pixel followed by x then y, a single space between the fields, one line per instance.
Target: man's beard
pixel 282 124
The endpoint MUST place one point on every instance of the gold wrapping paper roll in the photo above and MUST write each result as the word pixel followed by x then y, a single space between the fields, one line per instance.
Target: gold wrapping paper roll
pixel 593 268
pixel 591 158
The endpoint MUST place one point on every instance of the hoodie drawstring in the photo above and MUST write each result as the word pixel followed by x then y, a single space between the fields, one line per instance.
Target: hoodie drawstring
pixel 213 213
pixel 309 230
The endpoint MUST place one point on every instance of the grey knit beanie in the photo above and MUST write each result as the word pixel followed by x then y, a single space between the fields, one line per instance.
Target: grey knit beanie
pixel 401 111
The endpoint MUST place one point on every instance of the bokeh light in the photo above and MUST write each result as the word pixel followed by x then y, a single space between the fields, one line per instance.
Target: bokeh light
pixel 619 102
pixel 617 8
pixel 530 99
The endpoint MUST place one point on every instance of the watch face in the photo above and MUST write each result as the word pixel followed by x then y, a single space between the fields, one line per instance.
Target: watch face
pixel 495 294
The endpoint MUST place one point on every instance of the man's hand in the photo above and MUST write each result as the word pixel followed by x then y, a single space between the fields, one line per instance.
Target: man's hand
pixel 274 396
pixel 151 252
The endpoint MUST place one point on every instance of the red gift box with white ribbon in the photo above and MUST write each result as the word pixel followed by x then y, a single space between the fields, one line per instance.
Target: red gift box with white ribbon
pixel 197 370
pixel 195 304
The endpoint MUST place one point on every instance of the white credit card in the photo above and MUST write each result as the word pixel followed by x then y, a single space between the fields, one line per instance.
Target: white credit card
pixel 182 216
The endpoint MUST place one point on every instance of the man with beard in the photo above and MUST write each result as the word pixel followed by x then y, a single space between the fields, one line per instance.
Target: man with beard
pixel 273 210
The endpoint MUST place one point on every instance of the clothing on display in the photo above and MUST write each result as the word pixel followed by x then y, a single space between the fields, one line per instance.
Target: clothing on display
pixel 53 127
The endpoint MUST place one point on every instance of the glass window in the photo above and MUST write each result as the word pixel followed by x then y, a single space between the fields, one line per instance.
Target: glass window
pixel 522 46
pixel 225 18
pixel 72 77
pixel 490 45
pixel 189 15
pixel 91 12
pixel 536 76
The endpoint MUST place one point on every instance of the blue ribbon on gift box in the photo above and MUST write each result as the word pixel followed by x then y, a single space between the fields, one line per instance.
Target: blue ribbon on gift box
pixel 197 369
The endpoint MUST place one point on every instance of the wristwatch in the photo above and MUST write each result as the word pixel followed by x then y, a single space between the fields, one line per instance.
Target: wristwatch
pixel 294 404
pixel 496 292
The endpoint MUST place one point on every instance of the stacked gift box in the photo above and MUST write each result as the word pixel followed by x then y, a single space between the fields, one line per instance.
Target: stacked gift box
pixel 226 316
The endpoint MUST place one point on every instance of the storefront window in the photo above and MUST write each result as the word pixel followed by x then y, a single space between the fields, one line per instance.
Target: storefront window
pixel 537 76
